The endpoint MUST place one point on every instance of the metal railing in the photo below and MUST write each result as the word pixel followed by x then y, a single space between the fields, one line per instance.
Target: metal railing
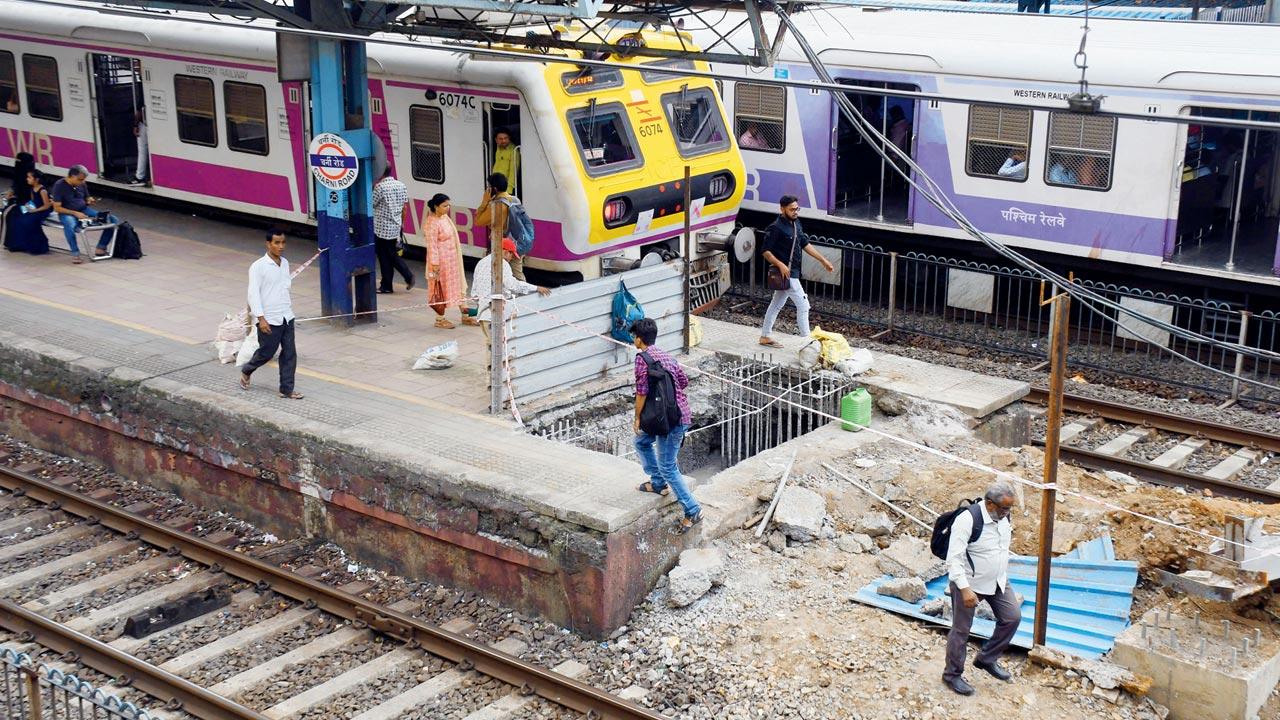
pixel 997 308
pixel 763 405
pixel 36 691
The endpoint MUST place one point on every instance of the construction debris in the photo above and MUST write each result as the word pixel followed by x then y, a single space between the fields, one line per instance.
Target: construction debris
pixel 696 573
pixel 1105 675
pixel 910 556
pixel 909 589
pixel 800 513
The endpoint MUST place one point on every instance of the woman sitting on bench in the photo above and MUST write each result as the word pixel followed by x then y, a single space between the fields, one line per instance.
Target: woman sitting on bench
pixel 25 231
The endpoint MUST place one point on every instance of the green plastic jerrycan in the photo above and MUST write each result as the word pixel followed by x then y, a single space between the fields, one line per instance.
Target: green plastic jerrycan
pixel 855 410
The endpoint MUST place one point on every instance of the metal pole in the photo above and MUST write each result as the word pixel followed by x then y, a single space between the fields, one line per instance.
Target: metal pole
pixel 1244 334
pixel 497 321
pixel 1241 164
pixel 33 693
pixel 1049 496
pixel 893 295
pixel 688 255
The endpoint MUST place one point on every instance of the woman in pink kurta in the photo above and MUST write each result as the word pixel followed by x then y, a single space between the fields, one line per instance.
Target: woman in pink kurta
pixel 446 285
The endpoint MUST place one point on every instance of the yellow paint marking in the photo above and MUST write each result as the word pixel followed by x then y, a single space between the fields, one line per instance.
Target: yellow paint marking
pixel 301 371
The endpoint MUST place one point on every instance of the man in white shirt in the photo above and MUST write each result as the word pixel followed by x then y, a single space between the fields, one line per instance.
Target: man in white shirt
pixel 1015 166
pixel 269 303
pixel 979 570
pixel 482 283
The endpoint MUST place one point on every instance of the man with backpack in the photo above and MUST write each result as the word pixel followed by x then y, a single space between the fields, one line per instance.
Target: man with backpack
pixel 502 211
pixel 662 419
pixel 977 537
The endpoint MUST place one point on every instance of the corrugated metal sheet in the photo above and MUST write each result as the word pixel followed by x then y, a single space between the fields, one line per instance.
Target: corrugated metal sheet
pixel 547 355
pixel 1089 601
pixel 1099 550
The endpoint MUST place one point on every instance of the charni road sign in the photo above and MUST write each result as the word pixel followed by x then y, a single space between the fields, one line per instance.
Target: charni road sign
pixel 333 161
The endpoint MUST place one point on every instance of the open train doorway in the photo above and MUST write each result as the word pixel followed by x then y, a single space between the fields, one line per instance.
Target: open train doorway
pixel 119 107
pixel 503 154
pixel 867 186
pixel 1229 200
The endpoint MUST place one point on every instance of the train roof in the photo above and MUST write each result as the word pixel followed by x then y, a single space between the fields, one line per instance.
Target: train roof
pixel 1185 56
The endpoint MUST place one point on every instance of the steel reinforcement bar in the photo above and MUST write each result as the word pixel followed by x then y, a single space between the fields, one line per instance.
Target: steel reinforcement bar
pixel 1243 437
pixel 531 679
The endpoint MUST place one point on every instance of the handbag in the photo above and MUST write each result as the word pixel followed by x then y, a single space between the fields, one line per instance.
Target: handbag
pixel 400 245
pixel 774 279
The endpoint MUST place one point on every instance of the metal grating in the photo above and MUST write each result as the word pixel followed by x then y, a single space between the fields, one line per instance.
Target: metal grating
pixel 763 405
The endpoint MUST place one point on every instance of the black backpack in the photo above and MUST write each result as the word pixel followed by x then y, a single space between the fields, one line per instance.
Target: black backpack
pixel 941 537
pixel 128 246
pixel 661 412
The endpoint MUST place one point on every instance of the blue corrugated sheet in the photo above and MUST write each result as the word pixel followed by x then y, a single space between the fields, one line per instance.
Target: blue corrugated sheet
pixel 1089 600
pixel 1099 550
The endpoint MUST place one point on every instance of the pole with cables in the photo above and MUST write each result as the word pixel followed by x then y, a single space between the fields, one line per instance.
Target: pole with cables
pixel 497 316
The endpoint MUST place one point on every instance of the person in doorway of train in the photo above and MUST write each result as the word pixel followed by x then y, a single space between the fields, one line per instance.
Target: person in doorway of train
pixel 506 158
pixel 978 568
pixel 784 242
pixel 1015 166
pixel 24 230
pixel 446 283
pixel 390 203
pixel 144 154
pixel 662 466
pixel 269 283
pixel 495 213
pixel 72 202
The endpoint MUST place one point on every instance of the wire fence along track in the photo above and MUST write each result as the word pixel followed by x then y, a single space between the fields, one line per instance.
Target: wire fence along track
pixel 467 655
pixel 996 307
pixel 31 690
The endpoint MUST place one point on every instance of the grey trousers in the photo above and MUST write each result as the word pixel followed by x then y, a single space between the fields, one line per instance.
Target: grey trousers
pixel 1008 615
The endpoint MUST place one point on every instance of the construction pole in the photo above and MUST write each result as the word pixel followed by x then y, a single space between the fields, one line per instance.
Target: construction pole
pixel 1049 496
pixel 497 316
pixel 688 257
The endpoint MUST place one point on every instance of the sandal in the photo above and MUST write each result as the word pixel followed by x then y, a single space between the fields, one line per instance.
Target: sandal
pixel 687 523
pixel 445 324
pixel 292 396
pixel 470 321
pixel 77 260
pixel 244 381
pixel 770 342
pixel 647 486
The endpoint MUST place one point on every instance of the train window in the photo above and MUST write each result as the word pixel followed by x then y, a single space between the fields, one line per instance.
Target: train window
pixel 1080 151
pixel 999 139
pixel 8 83
pixel 193 98
pixel 246 108
pixel 673 63
pixel 694 117
pixel 604 138
pixel 426 133
pixel 44 94
pixel 760 117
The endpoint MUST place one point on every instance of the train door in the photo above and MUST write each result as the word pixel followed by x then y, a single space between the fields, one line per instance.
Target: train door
pixel 866 186
pixel 117 105
pixel 1229 199
pixel 500 119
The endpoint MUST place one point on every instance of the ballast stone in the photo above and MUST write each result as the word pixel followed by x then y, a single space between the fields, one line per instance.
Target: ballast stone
pixel 800 513
pixel 910 589
pixel 696 572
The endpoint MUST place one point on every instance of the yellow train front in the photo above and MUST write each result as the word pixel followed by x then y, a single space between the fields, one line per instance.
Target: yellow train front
pixel 633 132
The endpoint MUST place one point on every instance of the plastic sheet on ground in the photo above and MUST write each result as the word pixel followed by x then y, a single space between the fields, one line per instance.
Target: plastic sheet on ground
pixel 1089 599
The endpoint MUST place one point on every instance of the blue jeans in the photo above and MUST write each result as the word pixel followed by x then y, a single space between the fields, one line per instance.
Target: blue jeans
pixel 70 223
pixel 663 467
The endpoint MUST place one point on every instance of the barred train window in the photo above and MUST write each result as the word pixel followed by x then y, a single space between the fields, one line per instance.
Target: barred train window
pixel 193 98
pixel 1081 148
pixel 246 108
pixel 8 83
pixel 760 117
pixel 694 117
pixel 44 94
pixel 426 133
pixel 998 142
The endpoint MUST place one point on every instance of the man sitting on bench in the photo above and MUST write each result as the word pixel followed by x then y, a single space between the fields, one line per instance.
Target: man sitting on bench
pixel 72 202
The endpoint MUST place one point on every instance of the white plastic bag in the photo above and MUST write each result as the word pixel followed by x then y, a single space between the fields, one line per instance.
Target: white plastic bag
pixel 437 357
pixel 247 348
pixel 231 335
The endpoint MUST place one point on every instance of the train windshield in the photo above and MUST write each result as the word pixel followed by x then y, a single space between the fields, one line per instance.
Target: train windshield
pixel 695 120
pixel 604 138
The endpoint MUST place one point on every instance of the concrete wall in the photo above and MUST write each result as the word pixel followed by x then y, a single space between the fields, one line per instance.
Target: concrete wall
pixel 547 355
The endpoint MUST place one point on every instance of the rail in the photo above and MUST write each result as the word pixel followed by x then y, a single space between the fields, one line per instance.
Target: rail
pixel 531 679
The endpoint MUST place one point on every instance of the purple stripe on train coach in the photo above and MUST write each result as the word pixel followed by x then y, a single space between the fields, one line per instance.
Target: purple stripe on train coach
pixel 220 181
pixel 50 151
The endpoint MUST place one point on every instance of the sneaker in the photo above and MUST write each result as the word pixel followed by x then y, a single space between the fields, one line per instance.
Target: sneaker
pixel 137 182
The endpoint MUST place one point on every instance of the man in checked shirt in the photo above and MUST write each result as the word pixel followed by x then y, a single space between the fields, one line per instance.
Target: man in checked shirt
pixel 390 201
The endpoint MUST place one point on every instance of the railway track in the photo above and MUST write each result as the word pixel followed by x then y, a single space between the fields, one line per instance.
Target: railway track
pixel 114 551
pixel 1167 449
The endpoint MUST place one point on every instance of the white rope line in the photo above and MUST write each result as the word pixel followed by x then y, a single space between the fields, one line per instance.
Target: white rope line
pixel 918 446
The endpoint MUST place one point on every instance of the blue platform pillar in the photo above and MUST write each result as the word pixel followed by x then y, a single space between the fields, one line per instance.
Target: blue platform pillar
pixel 340 105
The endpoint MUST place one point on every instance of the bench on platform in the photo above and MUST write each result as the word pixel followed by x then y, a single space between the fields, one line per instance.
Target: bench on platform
pixel 59 239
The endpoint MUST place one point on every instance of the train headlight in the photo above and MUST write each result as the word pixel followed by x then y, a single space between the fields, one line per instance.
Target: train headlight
pixel 617 211
pixel 721 187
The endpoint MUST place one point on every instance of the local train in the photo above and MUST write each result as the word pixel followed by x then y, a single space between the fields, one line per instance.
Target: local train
pixel 1186 199
pixel 603 150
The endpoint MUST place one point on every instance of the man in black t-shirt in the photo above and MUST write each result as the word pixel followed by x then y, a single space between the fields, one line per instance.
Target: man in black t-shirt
pixel 72 202
pixel 784 242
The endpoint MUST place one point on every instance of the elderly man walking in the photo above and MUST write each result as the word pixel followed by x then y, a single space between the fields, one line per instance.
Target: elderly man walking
pixel 978 565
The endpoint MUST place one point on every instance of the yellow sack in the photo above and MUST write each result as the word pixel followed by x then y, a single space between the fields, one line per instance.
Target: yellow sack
pixel 695 331
pixel 834 347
